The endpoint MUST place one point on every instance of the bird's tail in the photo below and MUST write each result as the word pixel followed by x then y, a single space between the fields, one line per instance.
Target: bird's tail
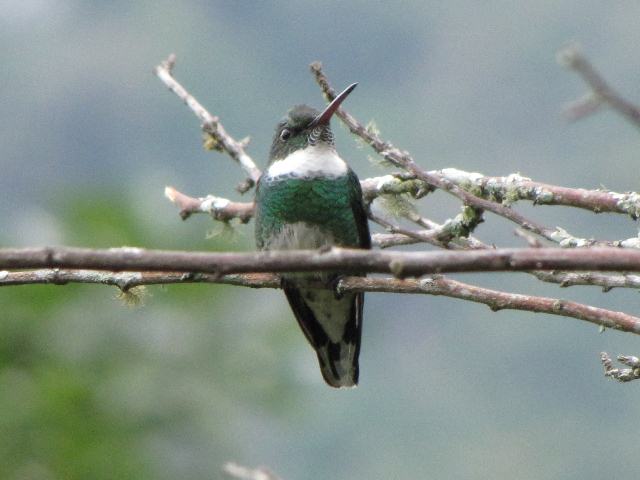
pixel 339 364
pixel 333 327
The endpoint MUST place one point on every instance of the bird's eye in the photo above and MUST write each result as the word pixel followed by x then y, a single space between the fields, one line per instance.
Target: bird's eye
pixel 285 134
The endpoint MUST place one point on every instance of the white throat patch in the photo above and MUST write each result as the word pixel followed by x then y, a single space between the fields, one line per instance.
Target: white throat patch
pixel 313 161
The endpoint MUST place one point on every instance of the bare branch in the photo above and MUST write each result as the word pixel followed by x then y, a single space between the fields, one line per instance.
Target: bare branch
pixel 453 234
pixel 497 300
pixel 388 240
pixel 621 374
pixel 514 187
pixel 582 107
pixel 571 57
pixel 128 280
pixel 407 236
pixel 607 281
pixel 210 124
pixel 219 208
pixel 393 184
pixel 438 285
pixel 400 264
pixel 532 241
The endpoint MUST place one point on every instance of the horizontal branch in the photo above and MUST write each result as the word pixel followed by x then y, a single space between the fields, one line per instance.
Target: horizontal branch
pixel 438 285
pixel 400 264
pixel 498 300
pixel 514 187
pixel 127 280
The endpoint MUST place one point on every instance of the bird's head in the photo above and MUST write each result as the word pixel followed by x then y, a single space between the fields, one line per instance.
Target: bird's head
pixel 304 126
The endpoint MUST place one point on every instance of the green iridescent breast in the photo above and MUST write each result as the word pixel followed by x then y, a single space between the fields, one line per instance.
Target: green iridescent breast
pixel 333 204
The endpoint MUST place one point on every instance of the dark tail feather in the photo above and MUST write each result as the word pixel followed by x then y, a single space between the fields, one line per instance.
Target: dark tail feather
pixel 338 357
pixel 339 364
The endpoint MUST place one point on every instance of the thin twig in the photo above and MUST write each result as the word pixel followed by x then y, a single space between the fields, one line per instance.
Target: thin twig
pixel 393 184
pixel 438 285
pixel 571 57
pixel 584 106
pixel 606 281
pixel 210 124
pixel 621 374
pixel 426 236
pixel 219 208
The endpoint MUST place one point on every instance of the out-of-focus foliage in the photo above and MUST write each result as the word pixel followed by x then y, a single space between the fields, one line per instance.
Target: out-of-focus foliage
pixel 90 388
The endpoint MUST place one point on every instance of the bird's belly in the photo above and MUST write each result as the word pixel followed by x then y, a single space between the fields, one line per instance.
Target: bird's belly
pixel 301 236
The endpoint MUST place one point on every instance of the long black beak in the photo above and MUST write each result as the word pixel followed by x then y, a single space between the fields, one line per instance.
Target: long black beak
pixel 328 112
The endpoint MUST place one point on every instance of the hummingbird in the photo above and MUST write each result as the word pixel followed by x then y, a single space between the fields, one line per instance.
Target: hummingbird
pixel 309 198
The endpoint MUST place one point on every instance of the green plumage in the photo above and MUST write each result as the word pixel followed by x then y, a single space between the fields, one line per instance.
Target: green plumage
pixel 326 202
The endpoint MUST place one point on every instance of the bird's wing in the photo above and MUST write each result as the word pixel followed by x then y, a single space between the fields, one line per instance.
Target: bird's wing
pixel 359 211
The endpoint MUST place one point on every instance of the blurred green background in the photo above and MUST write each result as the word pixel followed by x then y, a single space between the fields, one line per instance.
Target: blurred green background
pixel 201 374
